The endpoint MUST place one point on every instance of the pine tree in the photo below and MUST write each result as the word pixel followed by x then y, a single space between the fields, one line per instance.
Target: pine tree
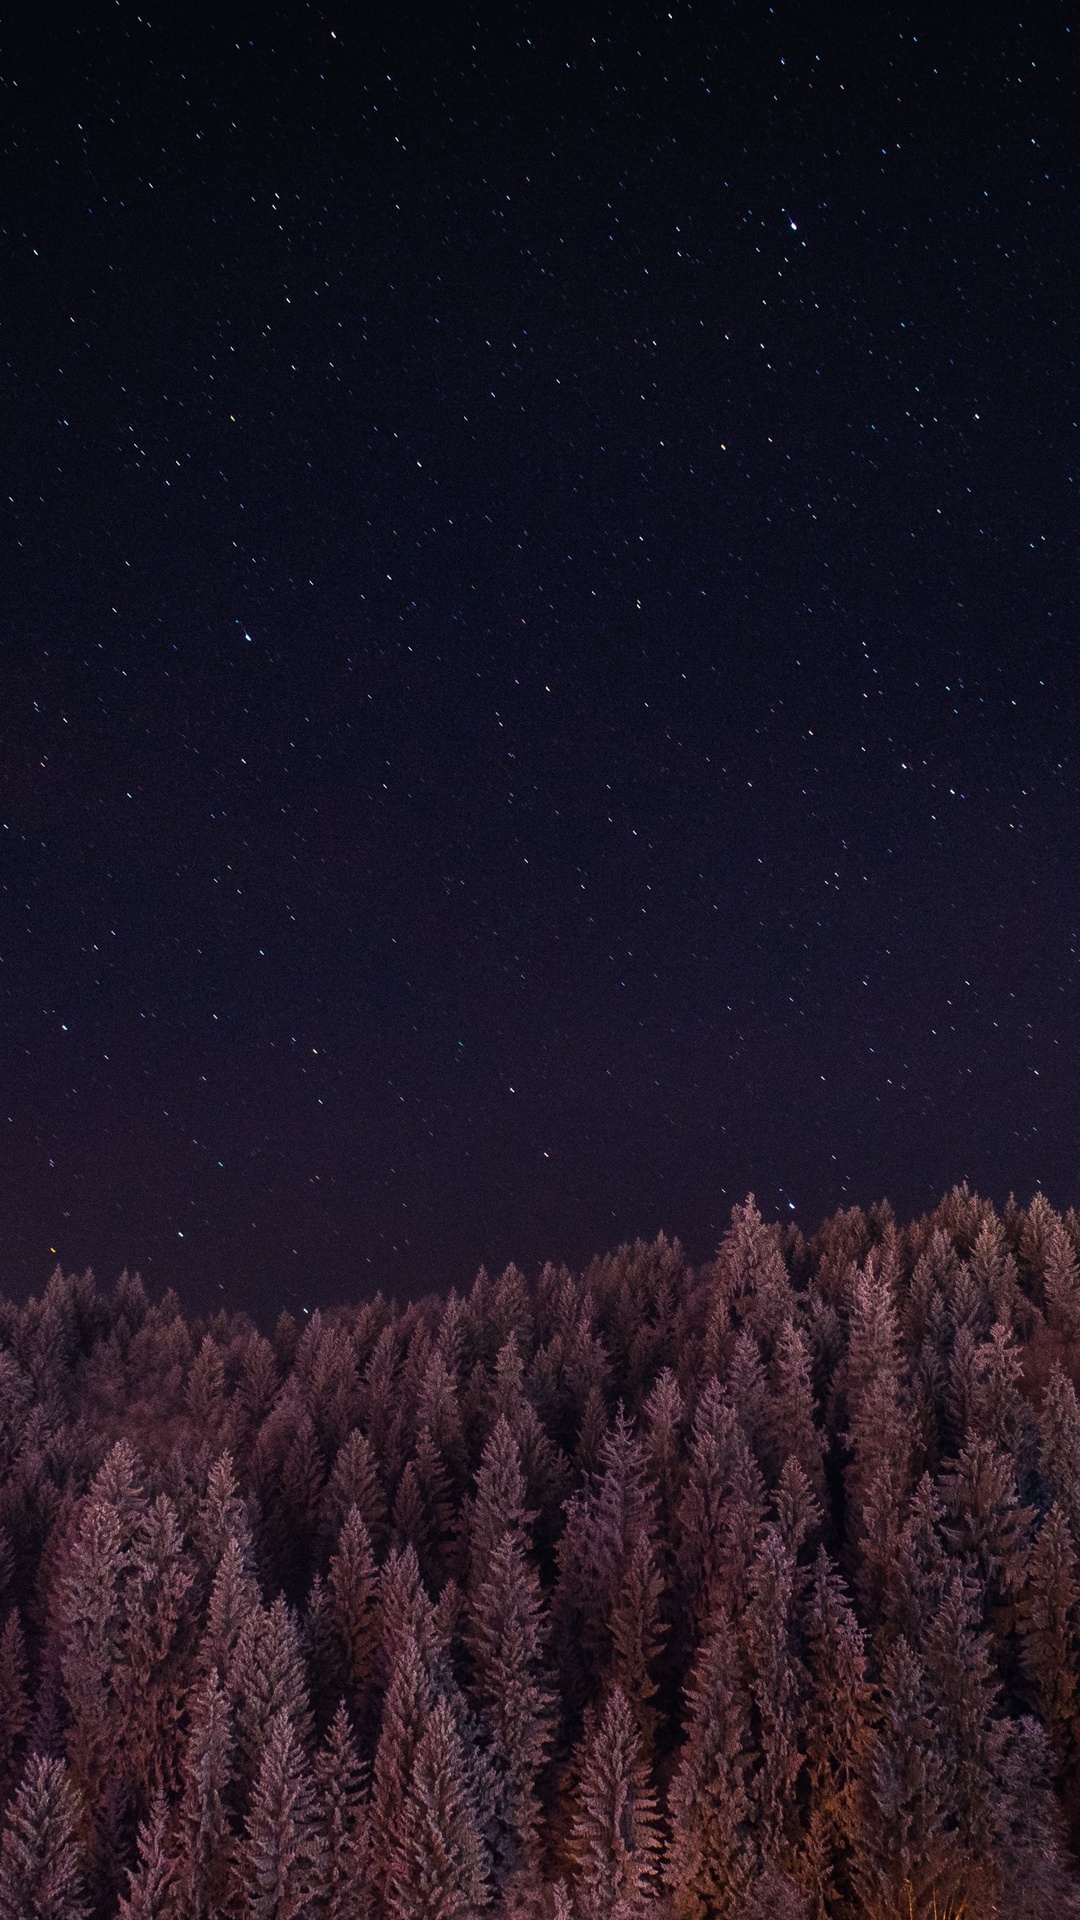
pixel 152 1892
pixel 616 1841
pixel 14 1701
pixel 353 1610
pixel 441 1861
pixel 206 1851
pixel 340 1782
pixel 710 1855
pixel 789 1424
pixel 1059 1454
pixel 90 1619
pixel 777 1685
pixel 40 1865
pixel 354 1482
pixel 904 1857
pixel 268 1677
pixel 499 1505
pixel 963 1691
pixel 410 1700
pixel 283 1857
pixel 637 1636
pixel 506 1637
pixel 153 1659
pixel 837 1741
pixel 1050 1637
pixel 720 1511
pixel 1036 1877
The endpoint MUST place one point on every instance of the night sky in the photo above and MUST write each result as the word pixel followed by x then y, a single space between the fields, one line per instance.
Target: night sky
pixel 539 631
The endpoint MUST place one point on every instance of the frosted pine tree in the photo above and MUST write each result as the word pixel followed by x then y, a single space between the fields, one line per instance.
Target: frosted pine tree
pixel 283 1855
pixel 708 1859
pixel 151 1895
pixel 616 1841
pixel 340 1784
pixel 441 1866
pixel 40 1865
pixel 506 1636
pixel 206 1848
pixel 14 1701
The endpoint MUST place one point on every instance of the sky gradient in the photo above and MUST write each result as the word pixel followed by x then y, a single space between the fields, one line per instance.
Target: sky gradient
pixel 539 666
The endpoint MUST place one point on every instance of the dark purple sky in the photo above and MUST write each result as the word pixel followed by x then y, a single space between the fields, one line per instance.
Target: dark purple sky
pixel 540 655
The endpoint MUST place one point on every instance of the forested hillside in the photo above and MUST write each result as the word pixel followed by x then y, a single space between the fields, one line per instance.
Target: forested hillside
pixel 747 1590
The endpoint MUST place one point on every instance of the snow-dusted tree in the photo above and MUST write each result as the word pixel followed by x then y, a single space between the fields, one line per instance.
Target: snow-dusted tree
pixel 963 1693
pixel 89 1614
pixel 409 1702
pixel 14 1701
pixel 777 1686
pixel 499 1504
pixel 267 1678
pixel 1036 1876
pixel 283 1856
pixel 354 1482
pixel 234 1598
pixel 603 1524
pixel 710 1857
pixel 506 1635
pixel 340 1784
pixel 353 1611
pixel 720 1510
pixel 1050 1636
pixel 904 1857
pixel 40 1866
pixel 1059 1452
pixel 986 1527
pixel 153 1657
pixel 878 1475
pixel 637 1636
pixel 152 1893
pixel 790 1428
pixel 206 1849
pixel 837 1741
pixel 751 1270
pixel 616 1840
pixel 441 1864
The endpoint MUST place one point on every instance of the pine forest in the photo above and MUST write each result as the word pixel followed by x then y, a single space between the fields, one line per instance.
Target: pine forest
pixel 748 1591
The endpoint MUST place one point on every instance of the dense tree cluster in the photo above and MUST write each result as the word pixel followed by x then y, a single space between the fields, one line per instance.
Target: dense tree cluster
pixel 745 1590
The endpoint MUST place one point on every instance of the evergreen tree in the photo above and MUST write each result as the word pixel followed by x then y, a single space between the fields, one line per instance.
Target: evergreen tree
pixel 905 1858
pixel 14 1701
pixel 441 1861
pixel 340 1782
pixel 637 1636
pixel 40 1864
pixel 777 1685
pixel 206 1851
pixel 1036 1878
pixel 283 1858
pixel 353 1610
pixel 1050 1637
pixel 354 1482
pixel 1059 1453
pixel 963 1691
pixel 790 1427
pixel 152 1892
pixel 710 1858
pixel 616 1840
pixel 506 1636
pixel 837 1742
pixel 410 1700
pixel 268 1677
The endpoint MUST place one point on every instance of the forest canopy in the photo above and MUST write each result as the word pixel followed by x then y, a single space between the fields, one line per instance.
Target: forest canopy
pixel 740 1590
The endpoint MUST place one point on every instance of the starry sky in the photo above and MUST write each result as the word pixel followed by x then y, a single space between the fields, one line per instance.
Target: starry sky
pixel 538 681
